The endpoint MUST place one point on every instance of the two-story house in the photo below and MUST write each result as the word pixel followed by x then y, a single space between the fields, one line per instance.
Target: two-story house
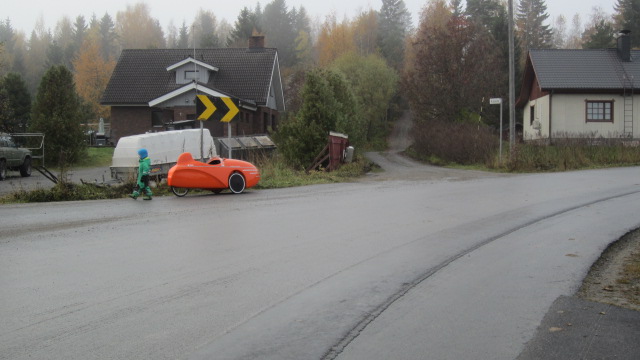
pixel 154 90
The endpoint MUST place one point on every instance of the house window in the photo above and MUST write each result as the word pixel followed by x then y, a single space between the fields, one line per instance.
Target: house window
pixel 156 118
pixel 191 74
pixel 532 114
pixel 599 111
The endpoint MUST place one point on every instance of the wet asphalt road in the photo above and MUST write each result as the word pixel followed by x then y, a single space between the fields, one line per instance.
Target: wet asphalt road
pixel 438 265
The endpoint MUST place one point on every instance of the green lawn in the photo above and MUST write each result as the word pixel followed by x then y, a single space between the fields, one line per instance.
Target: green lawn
pixel 96 157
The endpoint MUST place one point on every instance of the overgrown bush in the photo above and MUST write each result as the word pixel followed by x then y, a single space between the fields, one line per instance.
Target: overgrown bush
pixel 455 142
pixel 300 142
pixel 275 173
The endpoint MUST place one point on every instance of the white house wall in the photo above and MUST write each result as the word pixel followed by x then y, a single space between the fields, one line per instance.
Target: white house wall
pixel 203 74
pixel 568 117
pixel 540 127
pixel 186 99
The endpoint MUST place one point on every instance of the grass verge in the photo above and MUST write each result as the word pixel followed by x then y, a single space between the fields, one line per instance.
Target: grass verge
pixel 528 158
pixel 64 191
pixel 276 174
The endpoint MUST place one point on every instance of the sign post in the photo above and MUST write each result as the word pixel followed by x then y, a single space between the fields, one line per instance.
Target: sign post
pixel 223 109
pixel 496 101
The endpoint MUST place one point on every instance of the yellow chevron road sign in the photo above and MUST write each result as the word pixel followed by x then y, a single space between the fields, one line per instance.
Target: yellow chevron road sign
pixel 233 109
pixel 223 109
pixel 204 107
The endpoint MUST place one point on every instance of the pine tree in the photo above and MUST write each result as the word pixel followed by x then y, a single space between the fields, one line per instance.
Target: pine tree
pixel 55 55
pixel 244 27
pixel 18 103
pixel 530 18
pixel 183 36
pixel 602 36
pixel 108 38
pixel 628 18
pixel 278 26
pixel 79 31
pixel 56 113
pixel 394 26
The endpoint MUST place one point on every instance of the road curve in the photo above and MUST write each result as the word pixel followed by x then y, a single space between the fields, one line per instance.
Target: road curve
pixel 434 263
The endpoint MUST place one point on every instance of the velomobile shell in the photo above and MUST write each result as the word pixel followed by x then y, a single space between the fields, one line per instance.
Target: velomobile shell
pixel 188 173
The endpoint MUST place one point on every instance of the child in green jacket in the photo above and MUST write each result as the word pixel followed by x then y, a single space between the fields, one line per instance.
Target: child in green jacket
pixel 143 176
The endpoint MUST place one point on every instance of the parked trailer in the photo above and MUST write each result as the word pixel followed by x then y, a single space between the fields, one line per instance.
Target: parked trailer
pixel 164 149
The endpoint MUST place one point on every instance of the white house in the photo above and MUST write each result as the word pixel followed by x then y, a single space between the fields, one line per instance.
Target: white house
pixel 579 93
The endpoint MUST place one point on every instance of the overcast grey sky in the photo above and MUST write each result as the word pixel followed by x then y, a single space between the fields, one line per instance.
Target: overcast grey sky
pixel 24 14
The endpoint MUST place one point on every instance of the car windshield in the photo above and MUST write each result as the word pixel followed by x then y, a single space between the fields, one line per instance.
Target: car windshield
pixel 7 141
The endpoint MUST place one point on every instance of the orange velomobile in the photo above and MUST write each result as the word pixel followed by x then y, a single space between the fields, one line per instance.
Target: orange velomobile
pixel 217 174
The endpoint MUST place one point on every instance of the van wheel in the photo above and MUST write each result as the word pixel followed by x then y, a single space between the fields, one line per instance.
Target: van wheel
pixel 3 169
pixel 236 183
pixel 25 169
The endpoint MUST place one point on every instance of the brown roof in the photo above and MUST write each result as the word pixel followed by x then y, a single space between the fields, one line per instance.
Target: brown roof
pixel 584 68
pixel 141 74
pixel 579 71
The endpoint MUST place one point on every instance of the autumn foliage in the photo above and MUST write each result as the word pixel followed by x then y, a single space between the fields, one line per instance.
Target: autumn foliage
pixel 455 65
pixel 92 76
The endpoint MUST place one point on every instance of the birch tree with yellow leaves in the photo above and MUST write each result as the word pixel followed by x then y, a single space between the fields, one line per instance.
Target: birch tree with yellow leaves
pixel 92 74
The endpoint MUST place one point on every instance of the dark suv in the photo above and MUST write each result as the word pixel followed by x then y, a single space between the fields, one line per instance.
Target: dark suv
pixel 13 157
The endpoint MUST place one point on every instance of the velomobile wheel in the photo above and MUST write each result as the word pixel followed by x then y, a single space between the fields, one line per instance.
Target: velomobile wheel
pixel 236 183
pixel 179 191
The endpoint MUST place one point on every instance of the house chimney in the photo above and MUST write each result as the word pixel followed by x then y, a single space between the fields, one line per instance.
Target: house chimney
pixel 256 42
pixel 624 45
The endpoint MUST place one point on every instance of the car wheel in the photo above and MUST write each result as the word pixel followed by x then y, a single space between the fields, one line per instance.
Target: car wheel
pixel 180 192
pixel 3 169
pixel 236 183
pixel 25 169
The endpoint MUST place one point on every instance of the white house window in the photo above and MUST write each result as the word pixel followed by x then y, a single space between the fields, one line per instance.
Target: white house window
pixel 191 74
pixel 599 111
pixel 532 114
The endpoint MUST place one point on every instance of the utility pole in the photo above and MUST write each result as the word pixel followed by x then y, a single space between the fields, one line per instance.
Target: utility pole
pixel 512 86
pixel 195 81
